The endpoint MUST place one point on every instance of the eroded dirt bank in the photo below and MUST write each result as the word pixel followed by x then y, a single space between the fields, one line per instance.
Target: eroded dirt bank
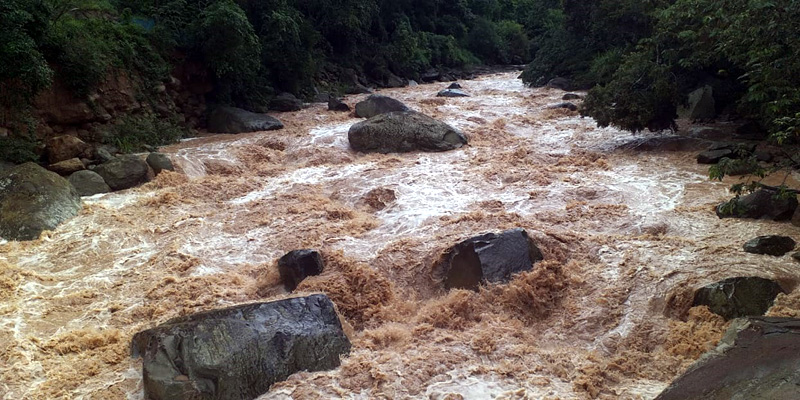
pixel 627 235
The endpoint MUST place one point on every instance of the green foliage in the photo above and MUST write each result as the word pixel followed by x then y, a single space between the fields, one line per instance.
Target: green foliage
pixel 18 149
pixel 23 70
pixel 136 132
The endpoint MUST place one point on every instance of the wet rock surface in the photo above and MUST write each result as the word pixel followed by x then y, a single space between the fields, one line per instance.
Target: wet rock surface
pixel 403 132
pixel 32 200
pixel 123 172
pixel 286 102
pixel 65 147
pixel 452 93
pixel 237 353
pixel 763 203
pixel 713 156
pixel 335 104
pixel 559 83
pixel 772 245
pixel 757 359
pixel 489 258
pixel 566 104
pixel 377 104
pixel 159 162
pixel 88 183
pixel 297 265
pixel 236 120
pixel 738 297
pixel 67 167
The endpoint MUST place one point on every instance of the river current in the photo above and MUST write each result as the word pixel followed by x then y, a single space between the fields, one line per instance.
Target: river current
pixel 627 233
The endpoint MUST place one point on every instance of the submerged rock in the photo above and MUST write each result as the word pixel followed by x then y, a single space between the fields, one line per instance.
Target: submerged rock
pixel 159 162
pixel 713 156
pixel 32 200
pixel 236 120
pixel 123 172
pixel 763 203
pixel 403 132
pixel 455 85
pixel 571 96
pixel 88 183
pixel 451 93
pixel 237 353
pixel 738 297
pixel 772 245
pixel 757 359
pixel 377 104
pixel 489 258
pixel 298 265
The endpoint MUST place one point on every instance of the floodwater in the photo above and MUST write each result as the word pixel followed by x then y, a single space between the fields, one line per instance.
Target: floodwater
pixel 627 236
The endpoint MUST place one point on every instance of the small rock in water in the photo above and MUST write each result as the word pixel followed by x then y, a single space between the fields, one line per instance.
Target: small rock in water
pixel 159 162
pixel 451 93
pixel 335 104
pixel 298 265
pixel 713 156
pixel 88 183
pixel 772 245
pixel 237 353
pixel 377 104
pixel 757 359
pixel 571 96
pixel 738 297
pixel 236 120
pixel 286 102
pixel 489 258
pixel 567 105
pixel 454 85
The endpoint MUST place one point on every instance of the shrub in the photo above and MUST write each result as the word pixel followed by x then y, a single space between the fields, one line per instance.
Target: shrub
pixel 137 132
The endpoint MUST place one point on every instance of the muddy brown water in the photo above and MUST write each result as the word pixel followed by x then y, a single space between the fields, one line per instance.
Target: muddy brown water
pixel 627 235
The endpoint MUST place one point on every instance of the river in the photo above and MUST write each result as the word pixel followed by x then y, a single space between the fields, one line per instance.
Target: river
pixel 627 236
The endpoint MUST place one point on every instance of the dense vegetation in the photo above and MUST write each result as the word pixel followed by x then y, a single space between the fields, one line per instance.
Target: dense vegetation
pixel 251 48
pixel 642 58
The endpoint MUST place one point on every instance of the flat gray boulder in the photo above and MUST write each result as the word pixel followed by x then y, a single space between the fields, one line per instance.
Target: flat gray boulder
pixel 32 200
pixel 757 359
pixel 88 183
pixel 377 104
pixel 236 120
pixel 773 245
pixel 402 132
pixel 237 353
pixel 159 162
pixel 489 258
pixel 452 93
pixel 123 172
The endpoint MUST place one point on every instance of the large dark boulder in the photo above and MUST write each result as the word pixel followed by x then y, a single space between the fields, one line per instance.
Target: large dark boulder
pixel 32 200
pixel 455 85
pixel 159 162
pixel 123 172
pixel 664 143
pixel 65 147
pixel 298 265
pixel 286 102
pixel 757 359
pixel 571 96
pixel 402 132
pixel 566 104
pixel 237 353
pixel 738 297
pixel 763 203
pixel 451 93
pixel 236 120
pixel 489 258
pixel 88 183
pixel 772 245
pixel 377 104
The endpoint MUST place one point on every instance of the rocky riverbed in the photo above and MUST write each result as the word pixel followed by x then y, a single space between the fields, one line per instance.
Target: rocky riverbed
pixel 627 232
